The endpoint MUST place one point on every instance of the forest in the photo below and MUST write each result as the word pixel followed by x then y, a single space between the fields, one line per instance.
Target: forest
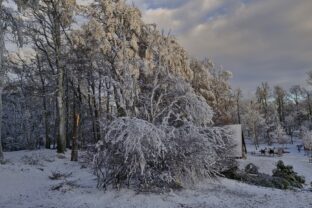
pixel 93 81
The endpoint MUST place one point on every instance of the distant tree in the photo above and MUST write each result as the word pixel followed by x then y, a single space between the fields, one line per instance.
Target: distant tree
pixel 254 122
pixel 280 135
pixel 263 95
pixel 290 124
pixel 296 95
pixel 309 79
pixel 307 95
pixel 307 139
pixel 237 97
pixel 280 100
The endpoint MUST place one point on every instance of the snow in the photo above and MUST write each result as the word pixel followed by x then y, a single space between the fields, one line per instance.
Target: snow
pixel 26 185
pixel 267 163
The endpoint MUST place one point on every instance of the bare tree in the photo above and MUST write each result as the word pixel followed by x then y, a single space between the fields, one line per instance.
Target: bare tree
pixel 47 30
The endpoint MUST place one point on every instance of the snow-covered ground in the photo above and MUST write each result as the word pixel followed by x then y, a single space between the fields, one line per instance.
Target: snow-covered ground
pixel 25 185
pixel 267 163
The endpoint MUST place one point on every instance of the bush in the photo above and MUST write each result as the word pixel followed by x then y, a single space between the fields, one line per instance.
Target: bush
pixel 251 168
pixel 137 153
pixel 198 152
pixel 287 173
pixel 133 151
pixel 283 177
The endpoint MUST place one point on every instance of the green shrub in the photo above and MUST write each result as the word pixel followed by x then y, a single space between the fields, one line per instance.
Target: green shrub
pixel 284 177
pixel 288 175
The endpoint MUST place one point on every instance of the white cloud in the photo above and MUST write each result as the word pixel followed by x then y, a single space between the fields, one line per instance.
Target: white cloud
pixel 162 15
pixel 259 40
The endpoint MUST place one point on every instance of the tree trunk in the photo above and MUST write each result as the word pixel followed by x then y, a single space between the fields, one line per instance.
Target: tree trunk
pixel 99 109
pixel 1 152
pixel 96 118
pixel 95 109
pixel 56 124
pixel 108 87
pixel 67 111
pixel 46 123
pixel 79 107
pixel 121 112
pixel 74 153
pixel 238 112
pixel 61 142
pixel 44 104
pixel 1 77
pixel 92 116
pixel 107 103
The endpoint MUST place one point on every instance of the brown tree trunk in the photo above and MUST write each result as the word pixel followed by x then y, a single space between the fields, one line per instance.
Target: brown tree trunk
pixel 74 153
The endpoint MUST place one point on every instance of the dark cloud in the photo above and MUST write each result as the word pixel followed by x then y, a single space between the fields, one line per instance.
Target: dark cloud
pixel 257 40
pixel 152 4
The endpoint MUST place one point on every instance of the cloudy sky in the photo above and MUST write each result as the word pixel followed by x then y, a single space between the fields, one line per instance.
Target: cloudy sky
pixel 258 40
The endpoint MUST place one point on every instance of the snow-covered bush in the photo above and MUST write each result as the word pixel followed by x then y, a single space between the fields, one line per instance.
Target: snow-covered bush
pixel 302 132
pixel 280 135
pixel 307 140
pixel 195 152
pixel 132 150
pixel 139 154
